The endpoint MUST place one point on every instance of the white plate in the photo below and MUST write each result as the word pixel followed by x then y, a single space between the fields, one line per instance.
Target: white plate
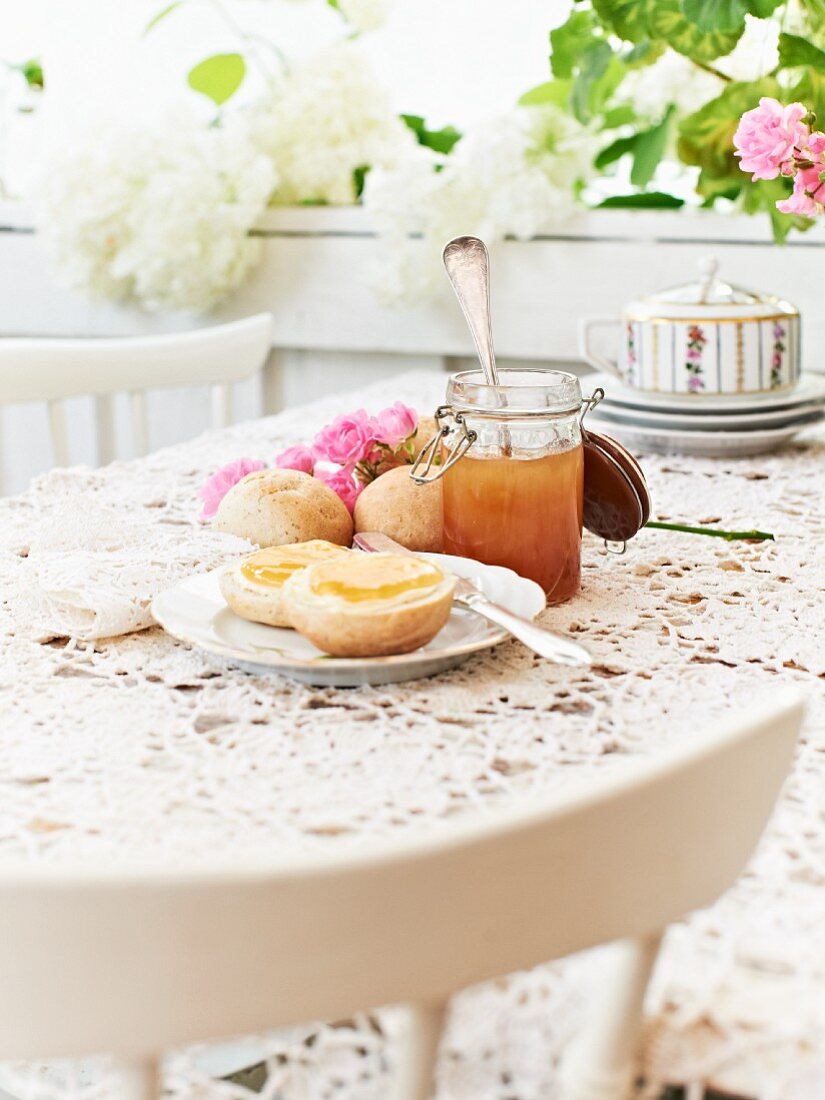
pixel 196 612
pixel 715 444
pixel 747 421
pixel 810 388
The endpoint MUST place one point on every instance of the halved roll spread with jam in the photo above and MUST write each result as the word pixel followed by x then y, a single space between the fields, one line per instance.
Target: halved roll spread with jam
pixel 369 605
pixel 253 585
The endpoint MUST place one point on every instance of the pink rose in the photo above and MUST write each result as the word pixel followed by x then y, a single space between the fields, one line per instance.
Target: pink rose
pixel 298 457
pixel 218 485
pixel 767 136
pixel 396 424
pixel 343 483
pixel 347 440
pixel 803 200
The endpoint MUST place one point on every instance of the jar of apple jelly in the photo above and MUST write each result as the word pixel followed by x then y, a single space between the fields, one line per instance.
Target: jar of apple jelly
pixel 513 472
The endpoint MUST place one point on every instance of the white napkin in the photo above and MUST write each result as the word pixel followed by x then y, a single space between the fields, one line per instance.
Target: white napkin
pixel 91 573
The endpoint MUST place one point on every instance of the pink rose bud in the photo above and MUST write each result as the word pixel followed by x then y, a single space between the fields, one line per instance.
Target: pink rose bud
pixel 343 483
pixel 396 424
pixel 298 457
pixel 347 440
pixel 767 136
pixel 218 485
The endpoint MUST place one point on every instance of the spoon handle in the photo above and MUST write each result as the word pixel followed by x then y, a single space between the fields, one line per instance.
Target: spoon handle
pixel 468 268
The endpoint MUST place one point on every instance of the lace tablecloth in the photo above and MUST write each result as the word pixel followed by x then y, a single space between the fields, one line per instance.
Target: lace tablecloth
pixel 136 746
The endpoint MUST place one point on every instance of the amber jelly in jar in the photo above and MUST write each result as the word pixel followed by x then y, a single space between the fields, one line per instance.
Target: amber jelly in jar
pixel 513 496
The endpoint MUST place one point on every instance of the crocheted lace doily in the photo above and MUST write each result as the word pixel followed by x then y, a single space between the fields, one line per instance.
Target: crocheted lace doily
pixel 133 746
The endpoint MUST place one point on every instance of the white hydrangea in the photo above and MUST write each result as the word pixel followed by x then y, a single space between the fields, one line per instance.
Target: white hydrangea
pixel 328 117
pixel 671 79
pixel 364 15
pixel 756 53
pixel 513 176
pixel 159 213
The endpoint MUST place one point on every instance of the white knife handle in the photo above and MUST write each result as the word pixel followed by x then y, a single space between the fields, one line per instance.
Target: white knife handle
pixel 542 641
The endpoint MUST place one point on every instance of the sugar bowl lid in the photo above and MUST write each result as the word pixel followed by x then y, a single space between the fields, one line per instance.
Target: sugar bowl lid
pixel 708 298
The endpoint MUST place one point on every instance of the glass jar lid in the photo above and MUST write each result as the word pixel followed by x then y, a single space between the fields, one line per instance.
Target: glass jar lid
pixel 707 297
pixel 523 392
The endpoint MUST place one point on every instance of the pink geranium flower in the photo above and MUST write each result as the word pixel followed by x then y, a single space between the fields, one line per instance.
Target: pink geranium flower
pixel 343 483
pixel 808 193
pixel 347 440
pixel 396 424
pixel 218 485
pixel 767 136
pixel 297 457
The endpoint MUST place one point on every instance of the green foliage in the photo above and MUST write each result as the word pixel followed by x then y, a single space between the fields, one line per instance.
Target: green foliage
pixel 794 50
pixel 569 41
pixel 716 15
pixel 625 18
pixel 442 141
pixel 32 72
pixel 159 16
pixel 552 92
pixel 649 150
pixel 666 20
pixel 645 200
pixel 218 76
pixel 706 136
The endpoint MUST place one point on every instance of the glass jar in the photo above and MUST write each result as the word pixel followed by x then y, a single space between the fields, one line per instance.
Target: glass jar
pixel 514 496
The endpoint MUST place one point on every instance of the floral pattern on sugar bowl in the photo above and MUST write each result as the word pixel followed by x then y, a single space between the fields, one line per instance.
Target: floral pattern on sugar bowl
pixel 704 338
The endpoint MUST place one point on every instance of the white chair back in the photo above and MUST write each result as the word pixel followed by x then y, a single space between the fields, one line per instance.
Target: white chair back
pixel 52 370
pixel 107 959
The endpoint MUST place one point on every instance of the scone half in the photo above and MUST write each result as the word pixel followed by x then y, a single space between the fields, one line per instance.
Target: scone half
pixel 369 605
pixel 253 585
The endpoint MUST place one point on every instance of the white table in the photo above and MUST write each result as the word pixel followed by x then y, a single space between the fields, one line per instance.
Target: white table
pixel 137 746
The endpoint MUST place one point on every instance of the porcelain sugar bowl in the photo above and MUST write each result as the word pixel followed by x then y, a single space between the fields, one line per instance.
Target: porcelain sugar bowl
pixel 706 337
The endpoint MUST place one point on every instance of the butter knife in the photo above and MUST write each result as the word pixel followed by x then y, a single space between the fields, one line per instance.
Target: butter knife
pixel 553 647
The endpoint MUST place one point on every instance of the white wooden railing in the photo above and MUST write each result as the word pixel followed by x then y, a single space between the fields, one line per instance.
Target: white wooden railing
pixel 330 331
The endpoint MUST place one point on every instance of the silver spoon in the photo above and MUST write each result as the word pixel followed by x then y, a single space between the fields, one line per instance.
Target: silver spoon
pixel 468 269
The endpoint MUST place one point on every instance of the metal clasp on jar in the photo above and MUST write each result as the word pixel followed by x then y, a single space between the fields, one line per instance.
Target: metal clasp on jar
pixel 448 422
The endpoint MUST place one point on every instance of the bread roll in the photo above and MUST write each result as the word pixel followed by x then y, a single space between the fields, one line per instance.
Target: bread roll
pixel 252 585
pixel 397 506
pixel 369 605
pixel 276 507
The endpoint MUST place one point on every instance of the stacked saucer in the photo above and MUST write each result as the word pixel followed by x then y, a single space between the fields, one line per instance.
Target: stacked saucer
pixel 718 425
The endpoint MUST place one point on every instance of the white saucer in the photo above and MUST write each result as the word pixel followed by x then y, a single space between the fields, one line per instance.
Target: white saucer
pixel 809 389
pixel 194 611
pixel 702 421
pixel 708 444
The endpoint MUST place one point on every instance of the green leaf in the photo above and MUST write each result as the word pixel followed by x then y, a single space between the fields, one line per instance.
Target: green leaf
pixel 569 41
pixel 626 18
pixel 762 9
pixel 32 72
pixel 794 50
pixel 667 20
pixel 811 91
pixel 649 150
pixel 218 76
pixel 712 188
pixel 644 53
pixel 716 15
pixel 442 141
pixel 594 65
pixel 623 115
pixel 554 92
pixel 617 149
pixel 706 136
pixel 645 200
pixel 359 177
pixel 159 16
